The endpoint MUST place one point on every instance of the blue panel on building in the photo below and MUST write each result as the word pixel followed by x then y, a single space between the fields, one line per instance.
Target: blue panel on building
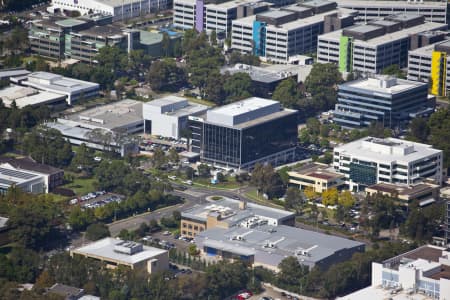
pixel 210 251
pixel 259 38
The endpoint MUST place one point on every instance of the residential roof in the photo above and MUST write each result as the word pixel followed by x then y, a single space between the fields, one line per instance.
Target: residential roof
pixel 105 249
pixel 271 244
pixel 386 150
pixel 232 214
pixel 26 163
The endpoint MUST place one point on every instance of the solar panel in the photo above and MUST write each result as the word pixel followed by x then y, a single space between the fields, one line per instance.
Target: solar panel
pixel 6 181
pixel 17 174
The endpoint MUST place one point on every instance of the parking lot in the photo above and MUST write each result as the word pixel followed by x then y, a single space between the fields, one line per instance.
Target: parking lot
pixel 96 199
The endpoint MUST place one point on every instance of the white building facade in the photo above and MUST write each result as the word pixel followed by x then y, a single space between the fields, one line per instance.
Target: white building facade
pixel 369 161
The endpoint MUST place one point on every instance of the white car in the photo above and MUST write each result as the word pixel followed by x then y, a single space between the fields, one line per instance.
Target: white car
pixel 98 158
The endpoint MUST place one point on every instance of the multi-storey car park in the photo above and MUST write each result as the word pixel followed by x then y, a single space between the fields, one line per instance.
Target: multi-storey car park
pixel 370 160
pixel 429 64
pixel 387 100
pixel 434 11
pixel 374 46
pixel 118 9
pixel 277 35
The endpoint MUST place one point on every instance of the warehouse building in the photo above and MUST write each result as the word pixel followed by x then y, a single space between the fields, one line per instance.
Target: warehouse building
pixel 107 127
pixel 370 160
pixel 267 246
pixel 227 213
pixel 383 99
pixel 168 116
pixel 118 9
pixel 116 252
pixel 371 47
pixel 241 134
pixel 429 64
pixel 432 10
pixel 72 89
pixel 277 35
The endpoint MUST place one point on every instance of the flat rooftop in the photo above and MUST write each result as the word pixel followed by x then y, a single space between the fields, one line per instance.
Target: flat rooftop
pixel 317 171
pixel 265 74
pixel 69 22
pixel 403 190
pixel 26 163
pixel 104 249
pixel 377 293
pixel 57 83
pixel 388 37
pixel 110 116
pixel 24 96
pixel 391 4
pixel 176 106
pixel 232 4
pixel 13 73
pixel 103 31
pixel 386 150
pixel 393 86
pixel 428 50
pixel 271 244
pixel 230 212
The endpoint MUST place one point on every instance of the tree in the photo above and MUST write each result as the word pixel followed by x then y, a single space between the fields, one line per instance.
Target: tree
pixel 83 157
pixel 322 76
pixel 376 129
pixel 173 156
pixel 287 93
pixel 204 170
pixel 293 199
pixel 346 199
pixel 310 193
pixel 238 86
pixel 419 130
pixel 189 173
pixel 214 90
pixel 18 40
pixel 439 137
pixel 159 158
pixel 395 71
pixel 330 197
pixel 313 126
pixel 213 38
pixel 192 250
pixel 291 272
pixel 165 75
pixel 97 231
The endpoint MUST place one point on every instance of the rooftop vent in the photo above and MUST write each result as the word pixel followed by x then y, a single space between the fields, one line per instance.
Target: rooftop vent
pixel 128 247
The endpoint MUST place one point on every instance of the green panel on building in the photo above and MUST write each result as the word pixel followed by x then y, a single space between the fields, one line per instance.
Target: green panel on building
pixel 345 54
pixel 363 174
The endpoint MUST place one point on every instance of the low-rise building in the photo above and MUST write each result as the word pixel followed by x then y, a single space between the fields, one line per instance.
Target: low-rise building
pixel 316 176
pixel 116 252
pixel 241 134
pixel 65 291
pixel 267 246
pixel 27 181
pixel 107 127
pixel 25 96
pixel 370 160
pixel 433 10
pixel 423 273
pixel 72 89
pixel 369 48
pixel 227 213
pixel 278 35
pixel 423 193
pixel 383 99
pixel 168 116
pixel 53 176
pixel 266 78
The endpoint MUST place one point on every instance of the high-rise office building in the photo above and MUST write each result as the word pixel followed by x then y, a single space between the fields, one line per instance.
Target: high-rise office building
pixel 241 134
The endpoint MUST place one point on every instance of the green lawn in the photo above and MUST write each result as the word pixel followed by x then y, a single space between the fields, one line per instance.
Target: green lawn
pixel 200 101
pixel 81 186
pixel 252 194
pixel 229 184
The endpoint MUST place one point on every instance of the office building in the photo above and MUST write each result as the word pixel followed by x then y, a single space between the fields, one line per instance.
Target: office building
pixel 447 223
pixel 266 78
pixel 429 64
pixel 387 100
pixel 118 9
pixel 422 273
pixel 316 176
pixel 27 181
pixel 267 246
pixel 369 160
pixel 107 127
pixel 215 15
pixel 244 133
pixel 53 177
pixel 228 213
pixel 116 252
pixel 422 193
pixel 277 35
pixel 168 116
pixel 433 11
pixel 72 89
pixel 371 47
pixel 25 96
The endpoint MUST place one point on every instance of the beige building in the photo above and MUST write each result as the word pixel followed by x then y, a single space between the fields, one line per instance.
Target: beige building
pixel 227 213
pixel 316 176
pixel 425 193
pixel 116 252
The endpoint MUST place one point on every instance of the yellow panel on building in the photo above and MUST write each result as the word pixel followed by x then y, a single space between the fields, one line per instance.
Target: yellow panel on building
pixel 438 73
